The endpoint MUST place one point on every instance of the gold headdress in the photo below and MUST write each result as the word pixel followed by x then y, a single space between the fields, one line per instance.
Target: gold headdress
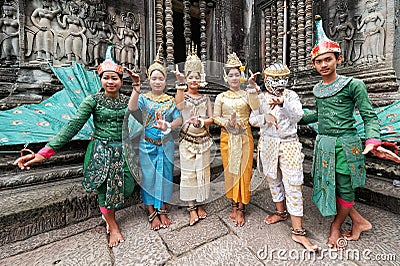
pixel 157 65
pixel 194 64
pixel 109 63
pixel 233 61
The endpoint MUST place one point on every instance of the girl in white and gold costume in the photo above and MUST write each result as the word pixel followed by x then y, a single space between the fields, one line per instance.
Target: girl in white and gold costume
pixel 279 150
pixel 195 140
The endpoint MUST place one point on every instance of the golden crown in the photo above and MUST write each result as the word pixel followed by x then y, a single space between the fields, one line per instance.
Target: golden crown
pixel 233 61
pixel 193 63
pixel 157 65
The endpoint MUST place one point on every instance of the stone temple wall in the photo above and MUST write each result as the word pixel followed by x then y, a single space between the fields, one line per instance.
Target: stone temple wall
pixel 34 34
pixel 367 30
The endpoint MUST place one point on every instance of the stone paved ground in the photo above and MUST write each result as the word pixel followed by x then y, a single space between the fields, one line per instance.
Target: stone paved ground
pixel 213 241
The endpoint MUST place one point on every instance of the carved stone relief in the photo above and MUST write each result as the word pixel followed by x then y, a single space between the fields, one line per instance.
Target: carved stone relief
pixel 343 32
pixel 372 23
pixel 129 53
pixel 9 36
pixel 62 31
pixel 40 33
pixel 361 32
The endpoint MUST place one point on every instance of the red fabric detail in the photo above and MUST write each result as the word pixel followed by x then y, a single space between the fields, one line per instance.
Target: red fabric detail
pixel 104 210
pixel 376 142
pixel 325 47
pixel 390 146
pixel 47 152
pixel 346 204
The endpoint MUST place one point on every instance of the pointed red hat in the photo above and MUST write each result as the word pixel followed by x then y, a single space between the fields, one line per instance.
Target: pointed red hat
pixel 109 63
pixel 322 43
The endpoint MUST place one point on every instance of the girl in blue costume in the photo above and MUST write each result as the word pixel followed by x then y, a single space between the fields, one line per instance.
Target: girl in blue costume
pixel 108 107
pixel 156 148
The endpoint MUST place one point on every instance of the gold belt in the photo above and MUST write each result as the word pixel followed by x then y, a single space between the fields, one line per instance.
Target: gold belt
pixel 157 142
pixel 194 139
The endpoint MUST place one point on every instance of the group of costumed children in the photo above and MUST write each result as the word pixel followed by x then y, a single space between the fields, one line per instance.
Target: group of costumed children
pixel 338 165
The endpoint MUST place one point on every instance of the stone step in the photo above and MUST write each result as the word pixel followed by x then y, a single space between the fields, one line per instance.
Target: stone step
pixel 28 211
pixel 49 197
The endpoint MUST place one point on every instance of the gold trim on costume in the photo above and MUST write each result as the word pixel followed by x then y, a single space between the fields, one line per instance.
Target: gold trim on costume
pixel 158 98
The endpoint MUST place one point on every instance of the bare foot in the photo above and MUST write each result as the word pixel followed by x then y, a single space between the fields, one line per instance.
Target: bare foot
pixel 306 243
pixel 165 220
pixel 274 218
pixel 115 238
pixel 232 216
pixel 155 224
pixel 333 238
pixel 357 229
pixel 240 219
pixel 201 212
pixel 194 218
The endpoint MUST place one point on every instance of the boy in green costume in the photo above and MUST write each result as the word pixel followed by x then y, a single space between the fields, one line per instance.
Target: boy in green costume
pixel 339 161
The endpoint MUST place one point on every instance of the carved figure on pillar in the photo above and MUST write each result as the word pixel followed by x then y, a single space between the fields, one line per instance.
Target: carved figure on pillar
pixel 345 32
pixel 74 39
pixel 9 35
pixel 103 35
pixel 372 48
pixel 129 51
pixel 43 44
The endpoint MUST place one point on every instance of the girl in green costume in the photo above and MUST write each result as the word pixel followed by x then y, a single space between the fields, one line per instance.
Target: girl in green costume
pixel 105 169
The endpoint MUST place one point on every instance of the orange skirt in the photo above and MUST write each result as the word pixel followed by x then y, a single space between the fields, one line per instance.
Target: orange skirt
pixel 237 186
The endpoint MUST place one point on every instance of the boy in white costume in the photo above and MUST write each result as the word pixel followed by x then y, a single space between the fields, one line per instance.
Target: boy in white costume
pixel 279 150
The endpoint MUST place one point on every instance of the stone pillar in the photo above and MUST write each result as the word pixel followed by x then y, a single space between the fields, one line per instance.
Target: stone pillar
pixel 169 28
pixel 309 31
pixel 293 35
pixel 301 36
pixel 203 37
pixel 280 29
pixel 274 33
pixel 186 18
pixel 159 27
pixel 268 35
